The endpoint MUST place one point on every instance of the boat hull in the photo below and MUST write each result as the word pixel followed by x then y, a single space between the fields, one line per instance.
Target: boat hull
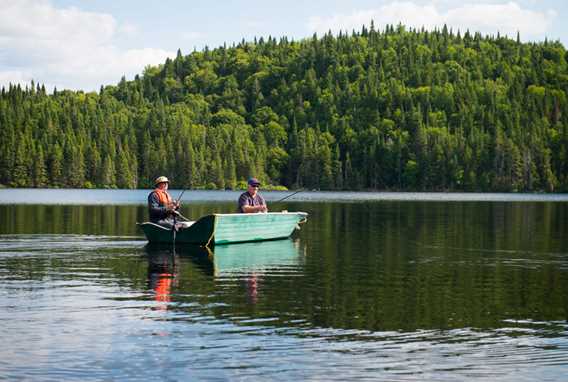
pixel 229 228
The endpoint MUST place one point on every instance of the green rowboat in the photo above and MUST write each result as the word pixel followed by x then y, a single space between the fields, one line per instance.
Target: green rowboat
pixel 229 228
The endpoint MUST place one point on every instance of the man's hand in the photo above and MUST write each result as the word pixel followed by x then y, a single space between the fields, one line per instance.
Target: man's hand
pixel 172 212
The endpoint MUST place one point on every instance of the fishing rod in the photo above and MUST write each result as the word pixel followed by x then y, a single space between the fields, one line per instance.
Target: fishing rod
pixel 174 231
pixel 177 203
pixel 286 197
pixel 180 195
pixel 175 215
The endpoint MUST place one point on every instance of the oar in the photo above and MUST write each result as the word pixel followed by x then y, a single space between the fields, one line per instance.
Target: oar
pixel 286 197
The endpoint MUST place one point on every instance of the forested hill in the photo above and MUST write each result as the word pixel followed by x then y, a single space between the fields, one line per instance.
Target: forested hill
pixel 384 110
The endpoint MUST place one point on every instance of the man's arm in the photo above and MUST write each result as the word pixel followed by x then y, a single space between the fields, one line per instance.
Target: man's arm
pixel 243 203
pixel 245 207
pixel 252 209
pixel 264 207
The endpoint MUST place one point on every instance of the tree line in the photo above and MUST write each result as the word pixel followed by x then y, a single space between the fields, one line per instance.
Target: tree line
pixel 397 109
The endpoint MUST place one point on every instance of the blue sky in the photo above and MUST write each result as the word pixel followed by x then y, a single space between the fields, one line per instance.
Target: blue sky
pixel 85 44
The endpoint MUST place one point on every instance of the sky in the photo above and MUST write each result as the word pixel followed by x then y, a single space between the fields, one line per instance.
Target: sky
pixel 81 45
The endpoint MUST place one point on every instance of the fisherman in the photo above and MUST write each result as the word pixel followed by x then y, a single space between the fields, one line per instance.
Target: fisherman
pixel 251 201
pixel 162 207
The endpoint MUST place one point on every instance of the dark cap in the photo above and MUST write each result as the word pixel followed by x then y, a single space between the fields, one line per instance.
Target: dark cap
pixel 253 182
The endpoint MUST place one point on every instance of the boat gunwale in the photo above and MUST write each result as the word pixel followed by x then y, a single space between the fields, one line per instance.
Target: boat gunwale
pixel 262 213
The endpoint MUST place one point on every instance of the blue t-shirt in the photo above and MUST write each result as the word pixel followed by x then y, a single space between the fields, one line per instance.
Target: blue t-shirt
pixel 247 200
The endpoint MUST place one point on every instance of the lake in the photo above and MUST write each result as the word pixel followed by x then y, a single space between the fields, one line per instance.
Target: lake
pixel 375 286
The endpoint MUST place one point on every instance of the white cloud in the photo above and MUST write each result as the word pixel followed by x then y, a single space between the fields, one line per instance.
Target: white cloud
pixel 505 18
pixel 67 48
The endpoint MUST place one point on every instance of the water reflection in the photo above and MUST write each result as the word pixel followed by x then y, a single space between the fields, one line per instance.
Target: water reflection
pixel 89 219
pixel 162 276
pixel 163 268
pixel 249 258
pixel 415 291
pixel 249 263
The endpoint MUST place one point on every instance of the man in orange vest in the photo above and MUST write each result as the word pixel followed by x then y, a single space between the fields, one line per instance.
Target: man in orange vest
pixel 161 206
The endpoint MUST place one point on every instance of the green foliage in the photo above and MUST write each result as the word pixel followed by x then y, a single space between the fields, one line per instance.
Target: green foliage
pixel 396 110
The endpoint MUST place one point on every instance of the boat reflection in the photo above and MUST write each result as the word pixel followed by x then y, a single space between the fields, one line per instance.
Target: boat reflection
pixel 257 257
pixel 248 263
pixel 252 262
pixel 162 256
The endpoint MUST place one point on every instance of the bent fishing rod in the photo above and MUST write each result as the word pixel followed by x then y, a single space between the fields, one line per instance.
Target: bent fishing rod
pixel 286 197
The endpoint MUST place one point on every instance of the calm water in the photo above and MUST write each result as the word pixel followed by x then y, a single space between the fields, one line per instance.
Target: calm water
pixel 408 287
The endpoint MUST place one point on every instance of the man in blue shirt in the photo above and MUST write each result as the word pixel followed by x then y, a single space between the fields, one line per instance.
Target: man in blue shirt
pixel 251 201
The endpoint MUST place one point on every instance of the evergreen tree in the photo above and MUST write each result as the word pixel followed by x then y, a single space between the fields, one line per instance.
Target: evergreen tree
pixel 395 109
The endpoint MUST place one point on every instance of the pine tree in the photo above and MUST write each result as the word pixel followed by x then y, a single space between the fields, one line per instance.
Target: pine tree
pixel 40 178
pixel 393 109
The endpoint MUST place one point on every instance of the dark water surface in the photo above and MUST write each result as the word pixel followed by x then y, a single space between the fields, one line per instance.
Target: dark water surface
pixel 383 288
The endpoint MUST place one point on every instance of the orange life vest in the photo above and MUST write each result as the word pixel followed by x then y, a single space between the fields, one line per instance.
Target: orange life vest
pixel 163 197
